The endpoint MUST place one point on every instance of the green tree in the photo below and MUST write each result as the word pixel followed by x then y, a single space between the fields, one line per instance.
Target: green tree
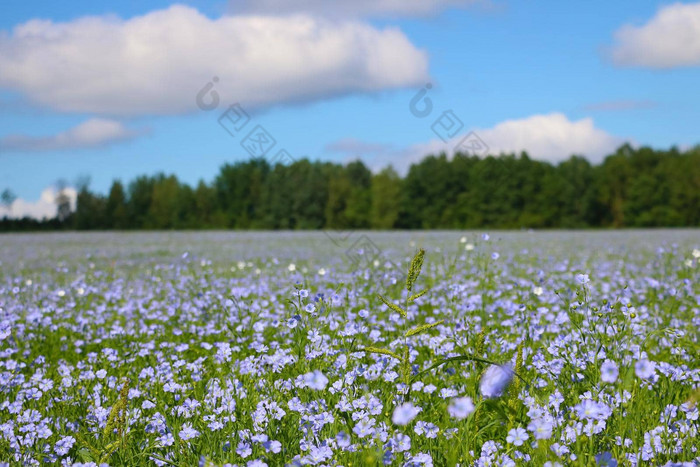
pixel 205 206
pixel 90 210
pixel 639 187
pixel 115 208
pixel 386 195
pixel 163 212
pixel 239 189
pixel 139 202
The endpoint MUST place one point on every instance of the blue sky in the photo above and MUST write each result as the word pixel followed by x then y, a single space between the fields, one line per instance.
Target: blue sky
pixel 109 91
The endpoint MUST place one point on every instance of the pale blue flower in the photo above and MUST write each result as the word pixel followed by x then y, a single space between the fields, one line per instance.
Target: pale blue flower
pixel 609 371
pixel 404 414
pixel 316 380
pixel 187 432
pixel 644 368
pixel 460 407
pixel 582 279
pixel 517 436
pixel 495 380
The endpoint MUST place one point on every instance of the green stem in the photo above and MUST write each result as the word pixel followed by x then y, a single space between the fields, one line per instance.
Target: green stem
pixel 463 358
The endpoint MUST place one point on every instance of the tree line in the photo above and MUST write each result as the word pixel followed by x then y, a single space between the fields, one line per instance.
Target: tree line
pixel 634 187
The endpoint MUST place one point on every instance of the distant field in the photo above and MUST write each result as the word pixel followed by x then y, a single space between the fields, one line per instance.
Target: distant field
pixel 262 348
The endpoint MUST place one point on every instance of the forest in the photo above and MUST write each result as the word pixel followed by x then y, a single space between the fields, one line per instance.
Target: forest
pixel 634 187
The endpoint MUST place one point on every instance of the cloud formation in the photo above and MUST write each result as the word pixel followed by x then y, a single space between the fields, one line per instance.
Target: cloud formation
pixel 95 132
pixel 45 206
pixel 157 63
pixel 670 39
pixel 551 137
pixel 351 8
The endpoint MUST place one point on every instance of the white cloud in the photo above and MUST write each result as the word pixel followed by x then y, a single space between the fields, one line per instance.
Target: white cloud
pixel 670 39
pixel 158 62
pixel 351 8
pixel 45 206
pixel 550 137
pixel 91 133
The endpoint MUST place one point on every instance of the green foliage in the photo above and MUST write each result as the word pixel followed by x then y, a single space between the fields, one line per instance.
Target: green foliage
pixel 115 208
pixel 385 199
pixel 640 187
pixel 381 351
pixel 393 306
pixel 94 449
pixel 418 295
pixel 414 269
pixel 413 273
pixel 423 327
pixel 117 416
